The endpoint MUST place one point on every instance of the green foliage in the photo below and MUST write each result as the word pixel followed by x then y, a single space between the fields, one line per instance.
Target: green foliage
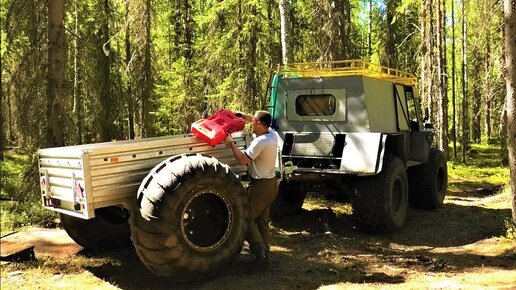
pixel 16 211
pixel 15 215
pixel 11 172
pixel 510 229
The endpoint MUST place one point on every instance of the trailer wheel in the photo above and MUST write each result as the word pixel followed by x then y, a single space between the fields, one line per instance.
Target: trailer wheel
pixel 289 200
pixel 380 202
pixel 190 218
pixel 428 183
pixel 107 230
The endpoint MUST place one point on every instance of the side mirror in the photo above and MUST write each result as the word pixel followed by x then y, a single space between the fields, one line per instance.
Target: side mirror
pixel 426 117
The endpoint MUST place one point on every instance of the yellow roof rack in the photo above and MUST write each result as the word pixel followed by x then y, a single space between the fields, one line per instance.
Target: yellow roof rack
pixel 346 68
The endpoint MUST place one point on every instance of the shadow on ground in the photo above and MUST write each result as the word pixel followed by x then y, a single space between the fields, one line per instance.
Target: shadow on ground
pixel 318 247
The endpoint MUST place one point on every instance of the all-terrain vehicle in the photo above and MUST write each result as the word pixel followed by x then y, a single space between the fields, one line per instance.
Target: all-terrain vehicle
pixel 355 128
pixel 349 127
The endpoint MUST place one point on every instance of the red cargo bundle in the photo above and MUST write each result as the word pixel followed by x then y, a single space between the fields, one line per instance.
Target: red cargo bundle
pixel 214 129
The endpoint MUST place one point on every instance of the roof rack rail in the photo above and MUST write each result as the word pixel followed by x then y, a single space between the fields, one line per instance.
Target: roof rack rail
pixel 346 68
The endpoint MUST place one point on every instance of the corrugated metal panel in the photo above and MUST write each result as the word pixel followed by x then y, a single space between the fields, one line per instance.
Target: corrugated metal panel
pixel 110 173
pixel 313 144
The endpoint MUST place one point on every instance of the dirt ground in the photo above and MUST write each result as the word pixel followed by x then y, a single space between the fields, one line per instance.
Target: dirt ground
pixel 460 246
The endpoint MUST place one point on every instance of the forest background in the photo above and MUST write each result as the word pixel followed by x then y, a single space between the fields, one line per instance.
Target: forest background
pixel 75 72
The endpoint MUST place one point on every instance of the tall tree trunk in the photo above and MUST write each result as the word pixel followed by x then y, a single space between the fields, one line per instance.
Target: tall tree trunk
pixel 465 125
pixel 487 87
pixel 504 151
pixel 55 73
pixel 77 98
pixel 476 95
pixel 2 134
pixel 188 33
pixel 251 71
pixel 107 108
pixel 391 59
pixel 454 105
pixel 129 97
pixel 10 136
pixel 286 30
pixel 370 30
pixel 510 63
pixel 443 79
pixel 345 29
pixel 147 71
pixel 427 51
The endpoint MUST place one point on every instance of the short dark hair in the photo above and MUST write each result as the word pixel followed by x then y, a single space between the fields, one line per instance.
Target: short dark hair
pixel 263 117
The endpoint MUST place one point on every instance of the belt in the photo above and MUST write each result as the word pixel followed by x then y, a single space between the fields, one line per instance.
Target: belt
pixel 263 179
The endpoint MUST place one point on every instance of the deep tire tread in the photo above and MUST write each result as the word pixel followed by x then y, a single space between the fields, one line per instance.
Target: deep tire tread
pixel 155 228
pixel 371 199
pixel 423 191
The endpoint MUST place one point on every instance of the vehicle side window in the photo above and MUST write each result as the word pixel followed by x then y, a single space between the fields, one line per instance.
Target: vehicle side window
pixel 315 105
pixel 411 106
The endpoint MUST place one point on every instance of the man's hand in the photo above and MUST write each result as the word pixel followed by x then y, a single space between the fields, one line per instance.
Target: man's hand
pixel 248 118
pixel 229 140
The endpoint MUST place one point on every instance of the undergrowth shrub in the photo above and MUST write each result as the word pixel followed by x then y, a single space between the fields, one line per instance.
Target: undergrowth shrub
pixel 20 203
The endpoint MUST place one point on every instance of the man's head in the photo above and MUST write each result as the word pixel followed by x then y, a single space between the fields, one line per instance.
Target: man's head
pixel 261 122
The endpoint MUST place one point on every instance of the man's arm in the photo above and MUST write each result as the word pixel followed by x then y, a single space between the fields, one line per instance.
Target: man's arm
pixel 240 156
pixel 248 118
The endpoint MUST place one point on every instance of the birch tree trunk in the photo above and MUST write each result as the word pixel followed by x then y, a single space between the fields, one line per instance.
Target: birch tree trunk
pixel 55 73
pixel 77 98
pixel 454 108
pixel 443 78
pixel 465 125
pixel 286 30
pixel 510 62
pixel 488 91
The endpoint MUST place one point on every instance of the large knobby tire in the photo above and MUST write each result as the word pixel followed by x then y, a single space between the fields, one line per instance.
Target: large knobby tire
pixel 107 230
pixel 380 202
pixel 289 200
pixel 428 183
pixel 190 218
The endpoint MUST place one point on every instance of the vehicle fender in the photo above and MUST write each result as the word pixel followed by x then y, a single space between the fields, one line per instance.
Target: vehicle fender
pixel 363 153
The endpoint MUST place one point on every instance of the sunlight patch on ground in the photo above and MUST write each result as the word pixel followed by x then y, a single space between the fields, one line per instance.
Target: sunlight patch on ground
pixel 484 278
pixel 492 247
pixel 279 249
pixel 315 202
pixel 40 278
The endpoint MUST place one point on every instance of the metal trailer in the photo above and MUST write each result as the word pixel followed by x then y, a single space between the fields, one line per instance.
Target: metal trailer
pixel 77 180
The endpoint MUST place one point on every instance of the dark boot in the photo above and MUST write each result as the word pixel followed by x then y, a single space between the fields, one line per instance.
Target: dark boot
pixel 261 263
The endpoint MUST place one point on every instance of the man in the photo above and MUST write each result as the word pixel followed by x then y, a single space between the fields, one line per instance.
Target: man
pixel 263 187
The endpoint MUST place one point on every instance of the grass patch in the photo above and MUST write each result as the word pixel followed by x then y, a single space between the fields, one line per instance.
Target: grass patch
pixel 52 274
pixel 20 204
pixel 482 168
pixel 482 175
